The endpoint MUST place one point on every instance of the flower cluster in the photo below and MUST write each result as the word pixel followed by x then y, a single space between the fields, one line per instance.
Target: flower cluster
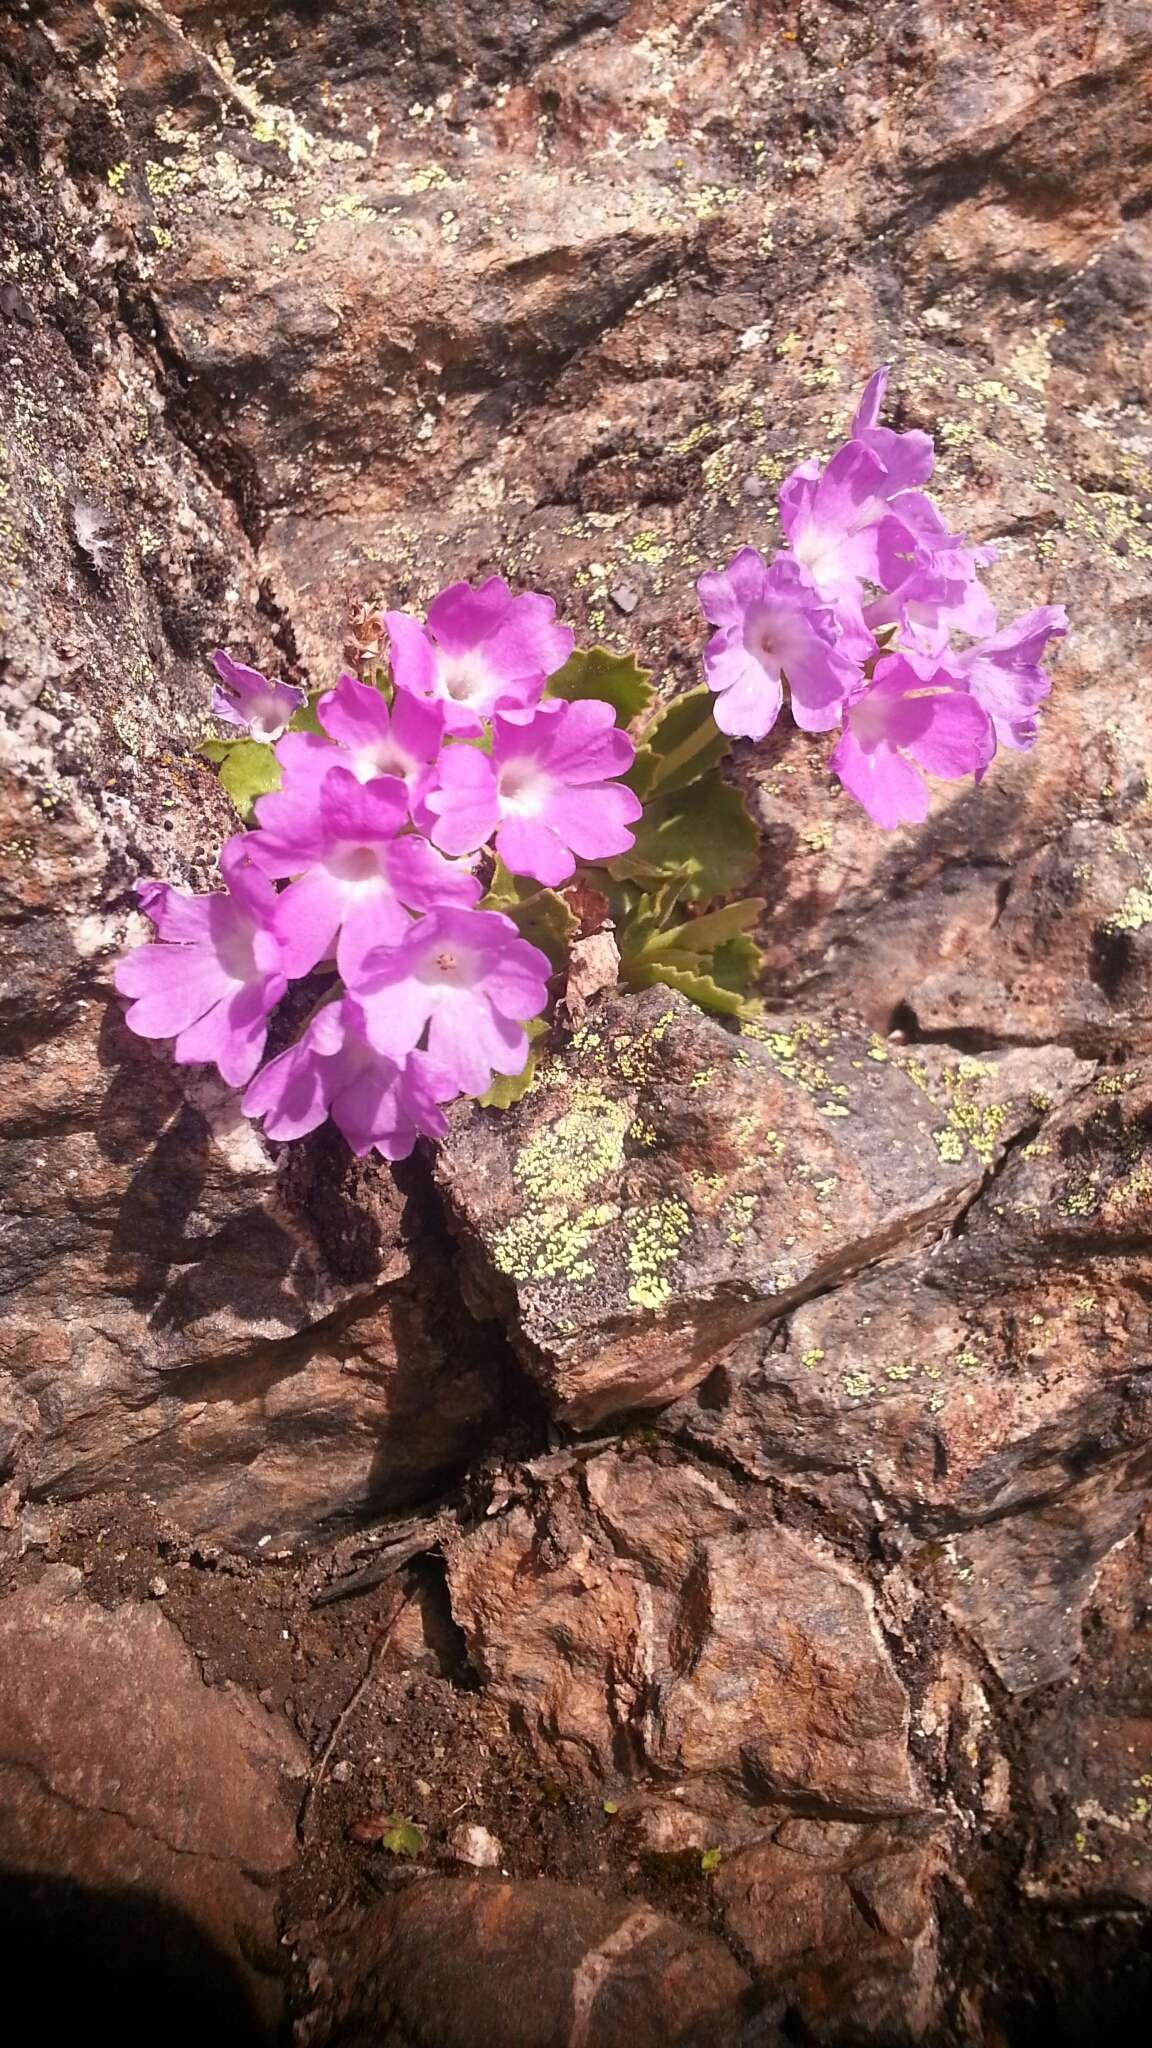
pixel 857 616
pixel 363 865
pixel 478 751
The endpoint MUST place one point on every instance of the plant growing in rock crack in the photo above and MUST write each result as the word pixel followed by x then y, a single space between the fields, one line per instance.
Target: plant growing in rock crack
pixel 430 836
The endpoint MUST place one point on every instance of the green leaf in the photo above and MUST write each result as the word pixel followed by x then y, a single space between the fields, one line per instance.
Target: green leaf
pixel 248 769
pixel 541 916
pixel 403 1838
pixel 699 988
pixel 306 720
pixel 701 834
pixel 710 1860
pixel 737 964
pixel 682 743
pixel 700 935
pixel 616 679
pixel 507 1089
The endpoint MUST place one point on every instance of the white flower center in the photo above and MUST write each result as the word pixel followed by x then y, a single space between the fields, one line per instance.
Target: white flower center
pixel 523 788
pixel 466 678
pixel 771 636
pixel 357 868
pixel 817 552
pixel 451 967
pixel 381 759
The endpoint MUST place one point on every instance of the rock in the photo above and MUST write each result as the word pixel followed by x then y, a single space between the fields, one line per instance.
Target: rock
pixel 1087 1752
pixel 665 1626
pixel 485 1964
pixel 838 1920
pixel 316 308
pixel 247 1343
pixel 476 1846
pixel 971 1383
pixel 122 1772
pixel 1020 1586
pixel 666 1185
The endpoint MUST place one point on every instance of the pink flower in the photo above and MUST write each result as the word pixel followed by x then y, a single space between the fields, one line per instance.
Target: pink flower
pixel 830 516
pixel 933 590
pixel 901 727
pixel 244 697
pixel 216 973
pixel 469 980
pixel 358 878
pixel 545 791
pixel 333 1071
pixel 481 651
pixel 774 629
pixel 368 739
pixel 908 458
pixel 1004 673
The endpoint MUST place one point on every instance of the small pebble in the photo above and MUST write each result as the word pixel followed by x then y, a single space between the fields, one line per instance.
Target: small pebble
pixel 157 1587
pixel 624 597
pixel 342 1771
pixel 472 1844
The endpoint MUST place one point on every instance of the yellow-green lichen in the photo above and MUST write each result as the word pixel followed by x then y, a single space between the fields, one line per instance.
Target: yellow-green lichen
pixel 547 1245
pixel 1134 913
pixel 655 1234
pixel 563 1160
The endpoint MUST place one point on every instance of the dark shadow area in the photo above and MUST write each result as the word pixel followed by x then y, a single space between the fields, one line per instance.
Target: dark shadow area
pixel 79 1960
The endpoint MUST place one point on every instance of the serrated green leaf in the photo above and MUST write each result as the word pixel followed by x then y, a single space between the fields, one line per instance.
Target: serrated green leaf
pixel 248 769
pixel 215 750
pixel 701 834
pixel 403 1838
pixel 616 679
pixel 682 743
pixel 738 964
pixel 541 915
pixel 699 988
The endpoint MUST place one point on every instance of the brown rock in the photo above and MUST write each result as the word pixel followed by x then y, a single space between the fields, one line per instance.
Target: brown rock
pixel 938 1391
pixel 838 1920
pixel 1088 1756
pixel 666 1185
pixel 780 1671
pixel 661 1631
pixel 485 1964
pixel 258 1347
pixel 1020 1586
pixel 121 1771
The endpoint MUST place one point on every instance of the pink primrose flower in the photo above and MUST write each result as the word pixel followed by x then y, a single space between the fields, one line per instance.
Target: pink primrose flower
pixel 214 974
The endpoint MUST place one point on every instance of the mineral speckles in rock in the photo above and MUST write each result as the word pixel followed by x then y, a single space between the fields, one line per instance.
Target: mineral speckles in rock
pixel 667 1183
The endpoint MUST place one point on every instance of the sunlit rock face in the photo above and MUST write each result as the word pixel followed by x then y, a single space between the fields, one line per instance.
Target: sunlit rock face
pixel 822 1350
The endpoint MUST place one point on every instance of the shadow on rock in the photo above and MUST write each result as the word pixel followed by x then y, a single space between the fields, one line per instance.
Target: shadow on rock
pixel 78 1956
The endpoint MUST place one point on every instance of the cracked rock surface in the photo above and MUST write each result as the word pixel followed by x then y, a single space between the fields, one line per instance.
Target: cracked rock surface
pixel 117 1763
pixel 724 1478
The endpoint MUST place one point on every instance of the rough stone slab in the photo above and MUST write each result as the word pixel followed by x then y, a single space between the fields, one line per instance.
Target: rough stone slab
pixel 121 1770
pixel 943 1390
pixel 667 1185
pixel 1020 1586
pixel 837 1918
pixel 533 1964
pixel 261 1346
pixel 634 1619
